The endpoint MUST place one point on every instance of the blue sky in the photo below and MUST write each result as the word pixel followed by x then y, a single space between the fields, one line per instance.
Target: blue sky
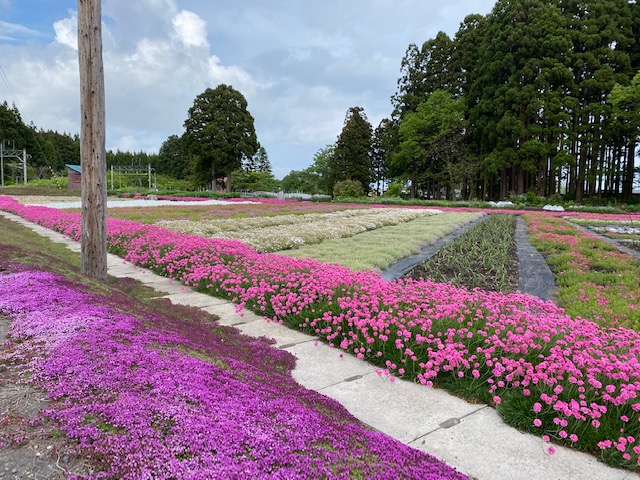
pixel 301 64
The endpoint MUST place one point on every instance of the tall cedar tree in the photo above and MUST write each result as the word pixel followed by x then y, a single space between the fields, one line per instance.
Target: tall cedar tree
pixel 381 153
pixel 352 156
pixel 424 70
pixel 535 77
pixel 521 71
pixel 220 132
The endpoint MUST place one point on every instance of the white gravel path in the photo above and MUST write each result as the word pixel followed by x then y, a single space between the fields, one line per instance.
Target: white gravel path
pixel 74 202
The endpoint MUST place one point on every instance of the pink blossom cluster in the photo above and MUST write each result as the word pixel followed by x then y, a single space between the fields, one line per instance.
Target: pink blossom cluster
pixel 517 348
pixel 150 395
pixel 598 281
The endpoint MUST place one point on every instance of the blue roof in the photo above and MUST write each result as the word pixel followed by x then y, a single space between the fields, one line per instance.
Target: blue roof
pixel 75 168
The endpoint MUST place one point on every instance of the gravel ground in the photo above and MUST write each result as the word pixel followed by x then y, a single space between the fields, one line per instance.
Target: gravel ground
pixel 74 202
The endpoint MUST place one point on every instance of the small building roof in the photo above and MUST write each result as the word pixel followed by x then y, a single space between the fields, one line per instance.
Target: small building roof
pixel 75 168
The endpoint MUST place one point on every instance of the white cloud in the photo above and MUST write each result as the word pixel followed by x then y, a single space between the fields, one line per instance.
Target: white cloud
pixel 191 29
pixel 67 32
pixel 9 31
pixel 231 75
pixel 300 65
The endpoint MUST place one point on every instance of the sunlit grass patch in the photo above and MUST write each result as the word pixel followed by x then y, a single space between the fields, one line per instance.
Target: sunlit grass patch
pixel 380 248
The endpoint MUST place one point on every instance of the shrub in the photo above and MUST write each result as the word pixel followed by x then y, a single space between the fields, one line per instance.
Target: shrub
pixel 348 188
pixel 394 190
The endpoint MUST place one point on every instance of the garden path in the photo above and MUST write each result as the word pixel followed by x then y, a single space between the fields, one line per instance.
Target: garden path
pixel 470 437
pixel 534 275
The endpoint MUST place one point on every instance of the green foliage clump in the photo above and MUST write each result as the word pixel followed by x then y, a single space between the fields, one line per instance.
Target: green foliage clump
pixel 394 190
pixel 348 188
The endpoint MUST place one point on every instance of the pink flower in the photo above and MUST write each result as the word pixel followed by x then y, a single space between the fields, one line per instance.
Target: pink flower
pixel 537 407
pixel 551 450
pixel 573 437
pixel 537 422
pixel 497 399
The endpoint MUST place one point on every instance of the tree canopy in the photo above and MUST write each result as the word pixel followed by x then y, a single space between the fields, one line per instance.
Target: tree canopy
pixel 220 132
pixel 351 159
pixel 535 82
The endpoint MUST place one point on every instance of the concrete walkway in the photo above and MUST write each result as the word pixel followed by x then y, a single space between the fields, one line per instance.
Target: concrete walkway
pixel 470 437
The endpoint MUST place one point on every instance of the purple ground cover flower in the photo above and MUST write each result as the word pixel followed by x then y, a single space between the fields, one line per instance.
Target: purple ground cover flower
pixel 147 395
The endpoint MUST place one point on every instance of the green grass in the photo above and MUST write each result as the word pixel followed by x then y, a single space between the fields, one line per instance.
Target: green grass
pixel 380 248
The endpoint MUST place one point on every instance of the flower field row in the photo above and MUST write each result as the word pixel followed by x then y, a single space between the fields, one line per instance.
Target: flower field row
pixel 483 257
pixel 381 248
pixel 283 232
pixel 565 378
pixel 595 280
pixel 167 399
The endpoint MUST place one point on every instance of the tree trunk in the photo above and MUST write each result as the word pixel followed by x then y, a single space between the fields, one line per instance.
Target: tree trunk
pixel 413 189
pixel 93 245
pixel 229 179
pixel 627 183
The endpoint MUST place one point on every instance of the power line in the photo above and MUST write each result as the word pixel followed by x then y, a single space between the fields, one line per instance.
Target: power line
pixel 5 79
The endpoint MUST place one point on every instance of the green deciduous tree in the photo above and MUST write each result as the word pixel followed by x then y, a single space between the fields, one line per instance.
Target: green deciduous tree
pixel 313 179
pixel 220 132
pixel 432 150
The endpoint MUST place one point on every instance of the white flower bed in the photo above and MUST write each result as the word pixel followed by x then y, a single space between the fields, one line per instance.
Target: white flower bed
pixel 283 232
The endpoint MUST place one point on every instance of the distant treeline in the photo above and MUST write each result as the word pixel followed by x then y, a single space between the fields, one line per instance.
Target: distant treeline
pixel 50 151
pixel 537 96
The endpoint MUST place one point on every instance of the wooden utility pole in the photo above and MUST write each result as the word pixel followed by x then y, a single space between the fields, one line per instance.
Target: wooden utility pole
pixel 93 247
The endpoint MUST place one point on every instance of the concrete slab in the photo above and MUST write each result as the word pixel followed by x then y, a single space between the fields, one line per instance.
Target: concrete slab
pixel 194 299
pixel 401 409
pixel 227 313
pixel 167 286
pixel 138 274
pixel 482 446
pixel 282 335
pixel 320 366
